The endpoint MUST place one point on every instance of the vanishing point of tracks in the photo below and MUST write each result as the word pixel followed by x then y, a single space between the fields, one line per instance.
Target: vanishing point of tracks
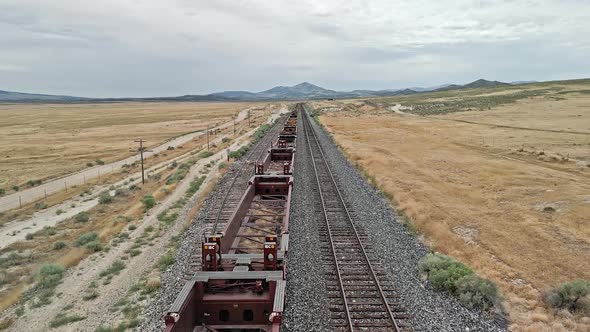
pixel 360 296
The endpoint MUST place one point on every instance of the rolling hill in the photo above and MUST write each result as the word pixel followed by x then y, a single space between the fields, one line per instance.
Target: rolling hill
pixel 300 91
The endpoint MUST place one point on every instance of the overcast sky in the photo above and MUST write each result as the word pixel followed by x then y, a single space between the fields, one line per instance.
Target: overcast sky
pixel 114 48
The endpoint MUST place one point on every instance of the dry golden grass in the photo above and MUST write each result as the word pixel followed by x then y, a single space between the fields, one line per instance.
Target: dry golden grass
pixel 39 141
pixel 473 195
pixel 257 117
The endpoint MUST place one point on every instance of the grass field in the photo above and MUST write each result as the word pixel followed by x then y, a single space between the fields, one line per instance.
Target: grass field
pixel 40 141
pixel 505 188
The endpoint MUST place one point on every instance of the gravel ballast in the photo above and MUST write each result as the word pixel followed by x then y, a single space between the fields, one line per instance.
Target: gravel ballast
pixel 398 250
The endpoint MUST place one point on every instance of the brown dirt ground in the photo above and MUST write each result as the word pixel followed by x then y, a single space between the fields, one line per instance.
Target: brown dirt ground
pixel 477 192
pixel 48 140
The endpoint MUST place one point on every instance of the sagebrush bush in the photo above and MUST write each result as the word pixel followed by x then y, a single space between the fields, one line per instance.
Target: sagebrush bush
pixel 205 154
pixel 239 152
pixel 447 274
pixel 475 292
pixel 50 274
pixel 41 205
pixel 59 245
pixel 148 202
pixel 105 198
pixel 86 238
pixel 82 217
pixel 570 295
pixel 94 246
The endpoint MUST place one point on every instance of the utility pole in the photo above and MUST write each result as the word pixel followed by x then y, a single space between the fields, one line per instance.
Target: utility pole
pixel 140 141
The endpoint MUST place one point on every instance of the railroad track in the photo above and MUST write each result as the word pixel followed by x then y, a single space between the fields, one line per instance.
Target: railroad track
pixel 221 212
pixel 360 296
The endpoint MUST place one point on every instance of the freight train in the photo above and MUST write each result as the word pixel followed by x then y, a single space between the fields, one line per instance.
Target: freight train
pixel 241 285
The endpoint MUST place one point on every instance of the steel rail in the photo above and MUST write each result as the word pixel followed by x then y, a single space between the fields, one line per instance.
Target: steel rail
pixel 309 129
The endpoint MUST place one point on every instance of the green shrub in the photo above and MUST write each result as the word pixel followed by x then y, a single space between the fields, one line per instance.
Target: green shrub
pixel 41 205
pixel 50 275
pixel 180 172
pixel 99 162
pixel 239 153
pixel 89 164
pixel 94 246
pixel 225 140
pixel 105 198
pixel 194 186
pixel 166 260
pixel 115 268
pixel 222 165
pixel 82 217
pixel 15 188
pixel 86 238
pixel 570 295
pixel 2 191
pixel 29 236
pixel 59 245
pixel 260 132
pixel 32 183
pixel 205 154
pixel 59 211
pixel 170 148
pixel 50 230
pixel 446 279
pixel 475 292
pixel 148 202
pixel 132 227
pixel 447 274
pixel 63 319
pixel 90 295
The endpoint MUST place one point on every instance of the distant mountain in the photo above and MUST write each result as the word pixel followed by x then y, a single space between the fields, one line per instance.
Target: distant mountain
pixel 481 83
pixel 432 88
pixel 10 96
pixel 522 82
pixel 300 91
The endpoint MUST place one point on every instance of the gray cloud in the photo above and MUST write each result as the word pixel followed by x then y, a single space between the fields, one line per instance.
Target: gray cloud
pixel 164 47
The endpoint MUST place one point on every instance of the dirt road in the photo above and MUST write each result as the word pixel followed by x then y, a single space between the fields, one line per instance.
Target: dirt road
pixel 29 195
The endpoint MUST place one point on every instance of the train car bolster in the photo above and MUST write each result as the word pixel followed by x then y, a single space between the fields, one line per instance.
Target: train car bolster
pixel 205 276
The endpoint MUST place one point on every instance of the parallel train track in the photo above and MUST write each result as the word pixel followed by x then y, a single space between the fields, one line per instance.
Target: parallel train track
pixel 360 296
